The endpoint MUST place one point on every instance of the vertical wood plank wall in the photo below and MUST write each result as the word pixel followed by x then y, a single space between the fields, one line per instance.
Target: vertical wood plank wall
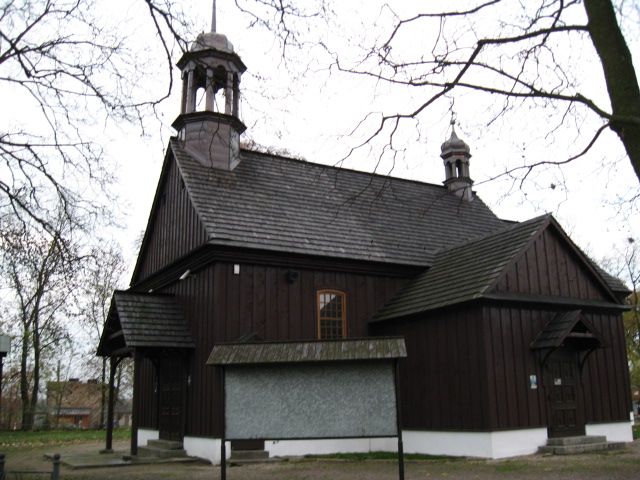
pixel 259 300
pixel 549 268
pixel 469 370
pixel 176 229
pixel 513 404
pixel 442 380
pixel 147 410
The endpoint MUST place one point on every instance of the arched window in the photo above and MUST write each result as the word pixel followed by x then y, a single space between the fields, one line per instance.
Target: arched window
pixel 459 172
pixel 332 315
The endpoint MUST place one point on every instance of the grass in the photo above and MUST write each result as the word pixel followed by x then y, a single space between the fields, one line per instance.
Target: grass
pixel 19 439
pixel 636 432
pixel 383 456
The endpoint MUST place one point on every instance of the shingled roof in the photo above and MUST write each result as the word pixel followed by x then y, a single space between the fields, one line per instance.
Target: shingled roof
pixel 144 320
pixel 463 273
pixel 279 204
pixel 567 328
pixel 308 351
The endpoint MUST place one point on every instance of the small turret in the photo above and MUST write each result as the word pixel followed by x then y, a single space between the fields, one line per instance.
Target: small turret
pixel 456 154
pixel 211 132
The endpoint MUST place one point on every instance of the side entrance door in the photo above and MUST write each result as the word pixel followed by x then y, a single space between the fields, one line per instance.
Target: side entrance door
pixel 562 384
pixel 172 390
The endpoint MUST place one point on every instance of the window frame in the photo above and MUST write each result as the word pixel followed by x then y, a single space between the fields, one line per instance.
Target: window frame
pixel 343 296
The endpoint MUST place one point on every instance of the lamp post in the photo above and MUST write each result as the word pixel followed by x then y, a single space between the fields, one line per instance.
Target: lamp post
pixel 5 346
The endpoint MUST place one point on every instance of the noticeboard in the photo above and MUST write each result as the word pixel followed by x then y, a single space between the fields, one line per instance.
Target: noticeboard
pixel 335 400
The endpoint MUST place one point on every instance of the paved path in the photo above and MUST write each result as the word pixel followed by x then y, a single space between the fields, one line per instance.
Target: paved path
pixel 611 466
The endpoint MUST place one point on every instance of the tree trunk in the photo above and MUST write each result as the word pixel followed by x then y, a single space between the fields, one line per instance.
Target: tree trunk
pixel 35 386
pixel 27 414
pixel 103 392
pixel 620 75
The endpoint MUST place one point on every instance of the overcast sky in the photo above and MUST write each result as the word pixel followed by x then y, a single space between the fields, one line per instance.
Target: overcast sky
pixel 310 116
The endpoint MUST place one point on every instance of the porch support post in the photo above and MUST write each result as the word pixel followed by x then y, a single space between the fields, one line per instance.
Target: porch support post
pixel 396 375
pixel 136 399
pixel 113 365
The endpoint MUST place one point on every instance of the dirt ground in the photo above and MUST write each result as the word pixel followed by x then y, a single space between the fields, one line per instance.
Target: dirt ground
pixel 612 466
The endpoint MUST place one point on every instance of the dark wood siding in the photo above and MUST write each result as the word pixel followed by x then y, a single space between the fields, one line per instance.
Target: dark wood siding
pixel 175 228
pixel 221 306
pixel 549 267
pixel 147 399
pixel 468 369
pixel 443 379
pixel 510 361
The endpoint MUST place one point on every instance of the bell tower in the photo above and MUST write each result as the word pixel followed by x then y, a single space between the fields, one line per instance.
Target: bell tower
pixel 456 154
pixel 209 123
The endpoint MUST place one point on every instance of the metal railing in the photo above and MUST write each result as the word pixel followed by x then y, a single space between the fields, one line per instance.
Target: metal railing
pixel 54 474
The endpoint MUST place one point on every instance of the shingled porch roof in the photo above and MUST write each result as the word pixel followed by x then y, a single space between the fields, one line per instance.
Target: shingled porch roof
pixel 568 328
pixel 143 320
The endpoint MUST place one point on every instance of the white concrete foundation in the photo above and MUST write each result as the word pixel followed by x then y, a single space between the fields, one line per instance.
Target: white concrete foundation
pixel 615 432
pixel 504 444
pixel 207 448
pixel 468 444
pixel 145 434
pixel 283 448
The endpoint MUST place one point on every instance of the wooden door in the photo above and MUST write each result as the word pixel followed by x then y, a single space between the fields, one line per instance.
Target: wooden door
pixel 172 389
pixel 562 384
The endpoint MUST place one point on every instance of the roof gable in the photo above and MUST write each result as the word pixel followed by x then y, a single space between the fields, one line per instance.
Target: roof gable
pixel 553 266
pixel 279 204
pixel 174 227
pixel 463 273
pixel 490 264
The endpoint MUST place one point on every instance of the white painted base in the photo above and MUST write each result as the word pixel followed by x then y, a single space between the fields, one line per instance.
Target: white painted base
pixel 145 434
pixel 468 444
pixel 206 448
pixel 285 448
pixel 503 444
pixel 615 432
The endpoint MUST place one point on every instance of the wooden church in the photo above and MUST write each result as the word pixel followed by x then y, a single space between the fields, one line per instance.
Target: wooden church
pixel 513 334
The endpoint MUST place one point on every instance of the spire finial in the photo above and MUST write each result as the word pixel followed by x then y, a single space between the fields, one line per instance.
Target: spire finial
pixel 452 122
pixel 213 17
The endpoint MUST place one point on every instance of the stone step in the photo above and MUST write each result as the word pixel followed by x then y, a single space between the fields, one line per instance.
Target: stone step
pixel 236 463
pixel 249 455
pixel 166 444
pixel 150 451
pixel 581 448
pixel 579 440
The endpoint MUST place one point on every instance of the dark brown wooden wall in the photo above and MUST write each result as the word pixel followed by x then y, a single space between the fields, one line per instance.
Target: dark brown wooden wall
pixel 222 307
pixel 443 379
pixel 510 361
pixel 468 369
pixel 550 268
pixel 147 410
pixel 175 229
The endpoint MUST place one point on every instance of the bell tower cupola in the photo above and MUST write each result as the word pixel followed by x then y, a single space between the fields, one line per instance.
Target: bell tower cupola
pixel 456 154
pixel 209 124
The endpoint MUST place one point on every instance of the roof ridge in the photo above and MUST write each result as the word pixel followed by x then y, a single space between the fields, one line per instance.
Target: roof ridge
pixel 303 161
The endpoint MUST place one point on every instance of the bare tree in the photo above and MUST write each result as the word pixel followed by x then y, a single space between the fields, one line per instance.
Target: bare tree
pixel 519 56
pixel 67 70
pixel 103 274
pixel 40 274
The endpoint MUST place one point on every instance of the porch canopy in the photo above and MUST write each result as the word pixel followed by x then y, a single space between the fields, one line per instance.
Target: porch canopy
pixel 568 329
pixel 143 324
pixel 143 321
